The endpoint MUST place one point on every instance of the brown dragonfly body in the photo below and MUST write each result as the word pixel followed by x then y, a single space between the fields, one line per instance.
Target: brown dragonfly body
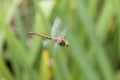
pixel 56 35
pixel 59 40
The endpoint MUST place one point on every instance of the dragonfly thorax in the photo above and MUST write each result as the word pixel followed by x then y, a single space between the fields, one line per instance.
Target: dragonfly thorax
pixel 61 41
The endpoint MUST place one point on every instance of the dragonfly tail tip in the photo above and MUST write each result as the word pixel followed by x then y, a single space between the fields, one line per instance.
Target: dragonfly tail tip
pixel 30 32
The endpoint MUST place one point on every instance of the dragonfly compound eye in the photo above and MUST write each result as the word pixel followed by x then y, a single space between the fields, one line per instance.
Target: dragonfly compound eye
pixel 67 44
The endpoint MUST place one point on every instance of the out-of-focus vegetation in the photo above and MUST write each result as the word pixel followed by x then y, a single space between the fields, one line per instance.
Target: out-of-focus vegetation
pixel 93 31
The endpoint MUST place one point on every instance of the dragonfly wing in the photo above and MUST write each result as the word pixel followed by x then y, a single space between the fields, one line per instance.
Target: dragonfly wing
pixel 55 28
pixel 46 42
pixel 55 48
pixel 62 34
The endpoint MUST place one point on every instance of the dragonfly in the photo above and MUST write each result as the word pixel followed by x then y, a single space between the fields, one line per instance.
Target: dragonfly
pixel 57 36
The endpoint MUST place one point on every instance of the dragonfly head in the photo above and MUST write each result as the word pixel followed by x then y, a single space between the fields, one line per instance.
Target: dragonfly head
pixel 67 44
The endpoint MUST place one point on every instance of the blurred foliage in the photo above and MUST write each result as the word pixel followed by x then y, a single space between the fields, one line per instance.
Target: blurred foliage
pixel 93 31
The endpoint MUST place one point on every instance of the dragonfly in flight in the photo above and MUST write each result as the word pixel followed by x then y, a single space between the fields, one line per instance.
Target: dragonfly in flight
pixel 56 35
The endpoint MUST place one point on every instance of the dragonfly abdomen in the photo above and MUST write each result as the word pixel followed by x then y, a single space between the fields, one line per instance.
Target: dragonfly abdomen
pixel 42 35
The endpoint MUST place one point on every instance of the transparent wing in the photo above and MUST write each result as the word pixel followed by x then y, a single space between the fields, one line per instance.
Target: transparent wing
pixel 46 42
pixel 55 48
pixel 62 34
pixel 56 27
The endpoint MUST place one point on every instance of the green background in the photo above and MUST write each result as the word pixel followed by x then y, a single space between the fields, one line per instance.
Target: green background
pixel 93 33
